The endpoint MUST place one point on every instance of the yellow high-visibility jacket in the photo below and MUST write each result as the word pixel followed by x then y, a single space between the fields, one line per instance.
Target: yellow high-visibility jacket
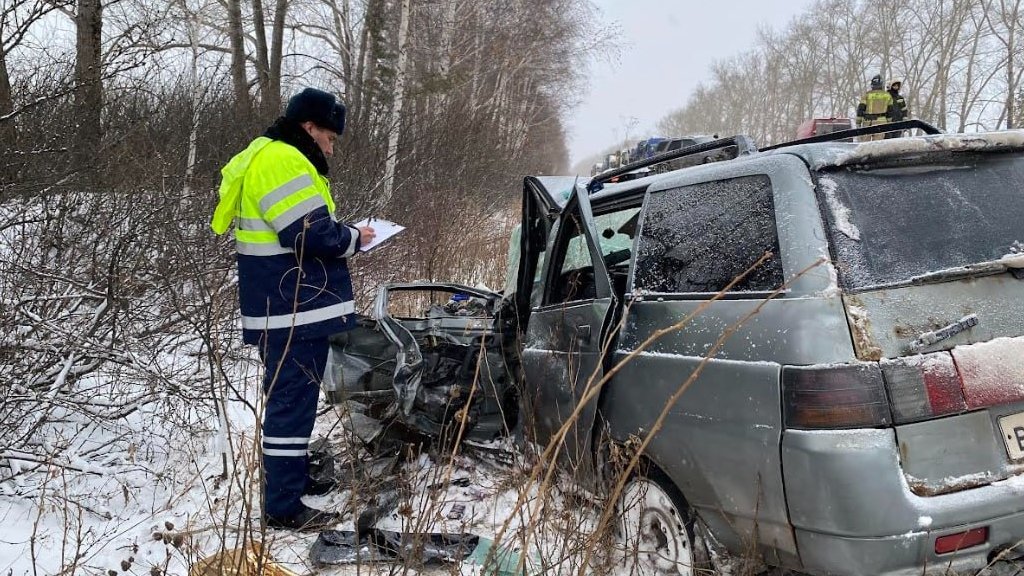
pixel 293 277
pixel 875 105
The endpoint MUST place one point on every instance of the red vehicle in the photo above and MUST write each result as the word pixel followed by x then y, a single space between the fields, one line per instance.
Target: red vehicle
pixel 819 126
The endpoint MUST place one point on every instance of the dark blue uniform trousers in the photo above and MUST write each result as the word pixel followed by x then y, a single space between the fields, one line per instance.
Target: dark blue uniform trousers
pixel 292 386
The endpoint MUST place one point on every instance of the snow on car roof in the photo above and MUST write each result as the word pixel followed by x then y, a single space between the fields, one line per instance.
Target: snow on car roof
pixel 878 149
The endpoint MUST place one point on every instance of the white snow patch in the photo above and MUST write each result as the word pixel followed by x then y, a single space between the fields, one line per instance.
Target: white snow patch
pixel 946 142
pixel 936 364
pixel 924 521
pixel 993 370
pixel 854 439
pixel 1014 483
pixel 840 212
pixel 952 483
pixel 832 290
pixel 652 354
pixel 1012 260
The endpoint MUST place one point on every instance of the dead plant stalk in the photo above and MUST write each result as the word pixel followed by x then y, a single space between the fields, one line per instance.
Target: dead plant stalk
pixel 635 459
pixel 592 389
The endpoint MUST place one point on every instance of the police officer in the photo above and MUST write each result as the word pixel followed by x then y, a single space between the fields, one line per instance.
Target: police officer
pixel 875 107
pixel 294 285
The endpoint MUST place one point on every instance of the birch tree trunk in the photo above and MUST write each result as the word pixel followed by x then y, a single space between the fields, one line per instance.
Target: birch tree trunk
pixel 399 98
pixel 197 97
pixel 1011 55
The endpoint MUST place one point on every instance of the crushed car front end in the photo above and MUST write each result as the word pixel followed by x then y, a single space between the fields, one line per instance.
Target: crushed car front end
pixel 429 365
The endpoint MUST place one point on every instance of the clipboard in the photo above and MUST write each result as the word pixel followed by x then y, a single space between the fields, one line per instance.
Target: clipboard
pixel 384 229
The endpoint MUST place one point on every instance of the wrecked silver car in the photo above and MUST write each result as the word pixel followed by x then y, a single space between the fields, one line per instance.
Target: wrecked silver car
pixel 427 364
pixel 827 338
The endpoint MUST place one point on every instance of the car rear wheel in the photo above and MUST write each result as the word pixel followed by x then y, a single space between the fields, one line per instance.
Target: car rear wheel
pixel 657 530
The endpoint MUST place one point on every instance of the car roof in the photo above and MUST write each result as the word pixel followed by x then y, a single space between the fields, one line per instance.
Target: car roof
pixel 818 156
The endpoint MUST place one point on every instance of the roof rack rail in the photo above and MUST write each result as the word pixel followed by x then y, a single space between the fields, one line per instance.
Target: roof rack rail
pixel 877 129
pixel 744 145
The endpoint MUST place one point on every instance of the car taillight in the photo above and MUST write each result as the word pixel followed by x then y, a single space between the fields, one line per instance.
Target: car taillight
pixel 834 396
pixel 992 372
pixel 961 540
pixel 923 387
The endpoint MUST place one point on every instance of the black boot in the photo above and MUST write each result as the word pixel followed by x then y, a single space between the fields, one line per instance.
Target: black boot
pixel 319 487
pixel 305 520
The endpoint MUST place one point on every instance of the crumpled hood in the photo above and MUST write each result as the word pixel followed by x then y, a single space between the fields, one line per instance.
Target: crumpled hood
pixel 232 175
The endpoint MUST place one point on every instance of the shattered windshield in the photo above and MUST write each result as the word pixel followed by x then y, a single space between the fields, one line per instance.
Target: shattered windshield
pixel 890 223
pixel 615 234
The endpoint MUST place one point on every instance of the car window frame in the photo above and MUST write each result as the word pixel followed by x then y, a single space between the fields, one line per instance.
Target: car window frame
pixel 802 239
pixel 734 294
pixel 555 261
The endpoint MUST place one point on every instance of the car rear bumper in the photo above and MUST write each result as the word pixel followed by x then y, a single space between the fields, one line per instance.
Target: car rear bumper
pixel 854 513
pixel 910 554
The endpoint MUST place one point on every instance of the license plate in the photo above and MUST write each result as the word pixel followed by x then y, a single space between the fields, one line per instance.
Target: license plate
pixel 1013 434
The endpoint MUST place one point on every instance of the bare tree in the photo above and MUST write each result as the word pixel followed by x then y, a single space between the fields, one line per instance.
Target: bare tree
pixel 15 21
pixel 949 54
pixel 88 83
pixel 268 61
pixel 1004 22
pixel 395 130
pixel 239 79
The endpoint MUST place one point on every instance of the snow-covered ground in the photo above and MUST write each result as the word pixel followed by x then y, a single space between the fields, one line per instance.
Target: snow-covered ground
pixel 164 507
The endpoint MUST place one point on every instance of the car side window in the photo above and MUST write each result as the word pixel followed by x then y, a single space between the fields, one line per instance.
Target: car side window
pixel 615 232
pixel 698 238
pixel 575 279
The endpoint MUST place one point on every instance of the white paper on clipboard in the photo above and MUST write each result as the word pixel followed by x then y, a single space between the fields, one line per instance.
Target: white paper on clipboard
pixel 383 229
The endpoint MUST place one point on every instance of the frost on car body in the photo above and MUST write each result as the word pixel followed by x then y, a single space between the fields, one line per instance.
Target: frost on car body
pixel 845 322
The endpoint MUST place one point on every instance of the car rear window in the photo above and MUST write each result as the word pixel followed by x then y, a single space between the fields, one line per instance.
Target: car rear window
pixel 698 238
pixel 890 223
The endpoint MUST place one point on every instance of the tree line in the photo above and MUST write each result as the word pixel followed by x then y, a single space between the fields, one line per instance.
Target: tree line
pixel 117 300
pixel 959 61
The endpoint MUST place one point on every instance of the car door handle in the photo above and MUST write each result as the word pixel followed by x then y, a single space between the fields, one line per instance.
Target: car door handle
pixel 583 333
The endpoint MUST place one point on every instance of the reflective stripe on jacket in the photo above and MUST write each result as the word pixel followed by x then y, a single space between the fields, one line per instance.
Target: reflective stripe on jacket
pixel 292 251
pixel 875 104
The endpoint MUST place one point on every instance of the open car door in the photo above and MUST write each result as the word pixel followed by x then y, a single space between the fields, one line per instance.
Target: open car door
pixel 543 198
pixel 563 341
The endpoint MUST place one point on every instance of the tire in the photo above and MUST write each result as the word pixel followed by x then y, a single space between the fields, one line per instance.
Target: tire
pixel 657 529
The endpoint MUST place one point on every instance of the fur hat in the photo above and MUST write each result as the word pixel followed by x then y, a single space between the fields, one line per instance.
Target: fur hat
pixel 319 107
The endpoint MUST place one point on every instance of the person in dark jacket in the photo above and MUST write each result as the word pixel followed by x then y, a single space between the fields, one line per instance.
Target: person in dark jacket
pixel 899 107
pixel 293 283
pixel 875 107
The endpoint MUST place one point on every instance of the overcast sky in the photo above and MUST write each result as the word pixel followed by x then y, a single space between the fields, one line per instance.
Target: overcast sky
pixel 667 47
